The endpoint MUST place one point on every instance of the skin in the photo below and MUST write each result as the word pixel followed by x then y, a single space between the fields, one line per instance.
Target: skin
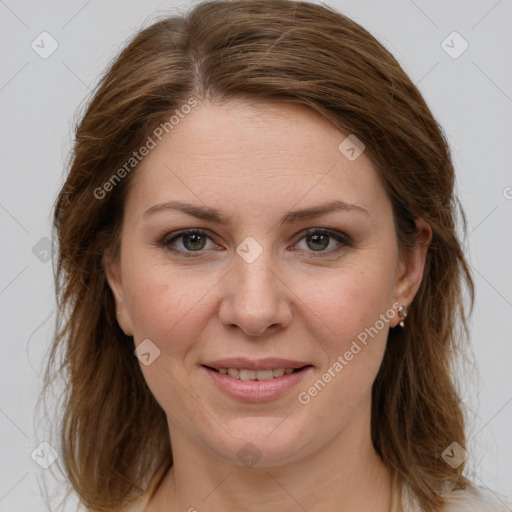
pixel 254 163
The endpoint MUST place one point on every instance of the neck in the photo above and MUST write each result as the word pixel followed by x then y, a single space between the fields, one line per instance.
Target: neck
pixel 344 474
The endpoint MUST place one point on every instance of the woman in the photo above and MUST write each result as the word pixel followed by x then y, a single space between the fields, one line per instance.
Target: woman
pixel 259 277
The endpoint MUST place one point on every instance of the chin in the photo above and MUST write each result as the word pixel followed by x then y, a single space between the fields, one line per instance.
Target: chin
pixel 262 442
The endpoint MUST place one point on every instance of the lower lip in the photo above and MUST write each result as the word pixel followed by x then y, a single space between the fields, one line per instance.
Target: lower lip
pixel 256 390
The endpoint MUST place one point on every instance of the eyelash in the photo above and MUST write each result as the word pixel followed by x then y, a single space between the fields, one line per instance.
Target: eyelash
pixel 344 241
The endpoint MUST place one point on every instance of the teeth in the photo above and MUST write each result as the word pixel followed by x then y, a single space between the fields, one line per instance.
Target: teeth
pixel 264 374
pixel 235 373
pixel 247 374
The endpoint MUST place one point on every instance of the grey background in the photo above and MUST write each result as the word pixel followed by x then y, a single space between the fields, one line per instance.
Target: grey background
pixel 470 96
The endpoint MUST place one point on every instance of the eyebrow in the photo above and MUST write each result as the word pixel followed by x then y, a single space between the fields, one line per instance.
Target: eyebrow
pixel 211 214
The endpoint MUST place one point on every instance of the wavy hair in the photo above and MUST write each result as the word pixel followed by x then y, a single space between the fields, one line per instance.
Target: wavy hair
pixel 114 436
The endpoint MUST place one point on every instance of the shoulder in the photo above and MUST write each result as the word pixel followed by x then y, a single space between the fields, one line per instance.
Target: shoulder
pixel 471 499
pixel 476 499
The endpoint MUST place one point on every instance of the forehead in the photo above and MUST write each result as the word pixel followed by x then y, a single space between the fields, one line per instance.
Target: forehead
pixel 263 155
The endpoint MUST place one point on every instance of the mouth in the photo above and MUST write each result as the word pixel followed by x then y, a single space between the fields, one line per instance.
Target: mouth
pixel 256 381
pixel 259 375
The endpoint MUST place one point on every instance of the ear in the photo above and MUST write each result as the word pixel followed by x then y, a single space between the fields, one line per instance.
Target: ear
pixel 410 269
pixel 112 270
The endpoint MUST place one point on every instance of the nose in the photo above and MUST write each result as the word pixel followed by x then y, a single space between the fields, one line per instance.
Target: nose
pixel 256 299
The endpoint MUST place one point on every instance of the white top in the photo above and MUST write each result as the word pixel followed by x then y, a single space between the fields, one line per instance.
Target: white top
pixel 477 499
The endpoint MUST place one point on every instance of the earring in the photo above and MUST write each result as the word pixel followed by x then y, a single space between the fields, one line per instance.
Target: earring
pixel 402 312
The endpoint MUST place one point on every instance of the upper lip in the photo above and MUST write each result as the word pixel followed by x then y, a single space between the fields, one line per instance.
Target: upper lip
pixel 242 363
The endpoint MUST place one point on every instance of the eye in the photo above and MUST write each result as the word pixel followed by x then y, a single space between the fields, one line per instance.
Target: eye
pixel 318 240
pixel 190 240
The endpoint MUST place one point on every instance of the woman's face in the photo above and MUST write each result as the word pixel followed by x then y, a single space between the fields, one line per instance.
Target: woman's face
pixel 291 261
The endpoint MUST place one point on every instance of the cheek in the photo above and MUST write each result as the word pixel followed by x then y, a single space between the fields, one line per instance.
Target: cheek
pixel 162 298
pixel 168 307
pixel 357 310
pixel 351 302
pixel 172 306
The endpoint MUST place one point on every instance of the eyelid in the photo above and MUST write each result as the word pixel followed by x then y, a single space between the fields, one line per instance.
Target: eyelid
pixel 343 240
pixel 167 240
pixel 338 235
pixel 169 237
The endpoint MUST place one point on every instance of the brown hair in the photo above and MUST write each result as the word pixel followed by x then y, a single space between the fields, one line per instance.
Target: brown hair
pixel 114 435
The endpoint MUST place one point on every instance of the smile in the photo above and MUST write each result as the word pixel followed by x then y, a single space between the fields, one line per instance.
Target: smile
pixel 244 374
pixel 248 385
